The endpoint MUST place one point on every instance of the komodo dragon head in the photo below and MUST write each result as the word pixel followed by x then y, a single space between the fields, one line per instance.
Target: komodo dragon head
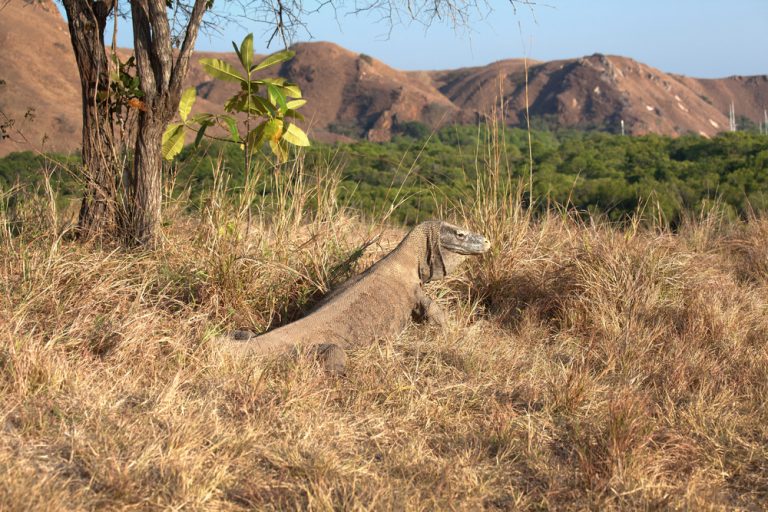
pixel 445 248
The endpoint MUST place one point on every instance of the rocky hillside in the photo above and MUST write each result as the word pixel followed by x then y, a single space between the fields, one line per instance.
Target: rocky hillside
pixel 356 96
pixel 600 91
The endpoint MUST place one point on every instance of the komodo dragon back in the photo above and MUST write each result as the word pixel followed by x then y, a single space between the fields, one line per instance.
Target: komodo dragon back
pixel 375 304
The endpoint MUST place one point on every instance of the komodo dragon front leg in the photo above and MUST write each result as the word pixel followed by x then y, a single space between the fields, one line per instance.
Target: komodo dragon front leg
pixel 428 310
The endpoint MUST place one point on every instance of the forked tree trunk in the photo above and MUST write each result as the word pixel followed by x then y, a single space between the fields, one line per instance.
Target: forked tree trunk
pixel 161 78
pixel 86 20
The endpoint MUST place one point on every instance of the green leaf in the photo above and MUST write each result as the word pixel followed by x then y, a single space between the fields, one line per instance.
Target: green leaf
pixel 237 51
pixel 201 118
pixel 295 136
pixel 279 149
pixel 236 103
pixel 292 90
pixel 173 140
pixel 260 106
pixel 274 81
pixel 270 131
pixel 273 129
pixel 252 86
pixel 246 52
pixel 276 97
pixel 273 59
pixel 293 114
pixel 255 137
pixel 217 68
pixel 200 134
pixel 232 125
pixel 294 104
pixel 187 100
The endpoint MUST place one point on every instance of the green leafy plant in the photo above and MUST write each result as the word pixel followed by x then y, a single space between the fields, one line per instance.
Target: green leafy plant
pixel 268 103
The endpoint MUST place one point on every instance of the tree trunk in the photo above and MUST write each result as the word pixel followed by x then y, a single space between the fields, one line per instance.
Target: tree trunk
pixel 161 80
pixel 97 210
pixel 144 182
pixel 86 22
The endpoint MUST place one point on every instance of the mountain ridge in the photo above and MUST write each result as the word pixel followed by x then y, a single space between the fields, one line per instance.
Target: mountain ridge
pixel 353 96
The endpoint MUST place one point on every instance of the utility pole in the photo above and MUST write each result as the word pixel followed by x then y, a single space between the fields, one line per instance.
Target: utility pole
pixel 765 121
pixel 622 127
pixel 732 118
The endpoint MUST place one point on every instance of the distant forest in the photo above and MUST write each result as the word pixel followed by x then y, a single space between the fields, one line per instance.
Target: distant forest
pixel 588 171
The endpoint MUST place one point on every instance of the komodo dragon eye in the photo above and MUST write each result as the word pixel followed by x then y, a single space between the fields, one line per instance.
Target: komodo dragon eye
pixel 461 235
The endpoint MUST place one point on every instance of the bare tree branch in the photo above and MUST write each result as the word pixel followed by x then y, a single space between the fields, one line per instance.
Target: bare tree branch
pixel 286 19
pixel 142 45
pixel 162 51
pixel 182 61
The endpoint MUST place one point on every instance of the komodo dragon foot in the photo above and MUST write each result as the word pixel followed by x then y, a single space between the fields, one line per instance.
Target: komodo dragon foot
pixel 429 311
pixel 332 357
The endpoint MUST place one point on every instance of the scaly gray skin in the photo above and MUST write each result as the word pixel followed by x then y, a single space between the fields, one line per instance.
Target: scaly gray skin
pixel 375 304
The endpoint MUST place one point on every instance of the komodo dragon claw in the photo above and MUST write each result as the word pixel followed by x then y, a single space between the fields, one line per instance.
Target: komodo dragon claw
pixel 243 335
pixel 333 358
pixel 375 304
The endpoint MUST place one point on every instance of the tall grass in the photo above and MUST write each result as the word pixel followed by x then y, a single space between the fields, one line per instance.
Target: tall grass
pixel 588 366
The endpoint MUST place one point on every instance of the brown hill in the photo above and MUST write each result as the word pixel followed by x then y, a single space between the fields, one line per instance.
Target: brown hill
pixel 355 96
pixel 40 89
pixel 476 89
pixel 350 95
pixel 749 94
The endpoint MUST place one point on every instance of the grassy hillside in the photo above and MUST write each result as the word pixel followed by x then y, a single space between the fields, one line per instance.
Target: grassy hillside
pixel 586 365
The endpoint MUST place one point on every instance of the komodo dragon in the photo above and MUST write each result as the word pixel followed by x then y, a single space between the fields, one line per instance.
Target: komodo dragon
pixel 374 304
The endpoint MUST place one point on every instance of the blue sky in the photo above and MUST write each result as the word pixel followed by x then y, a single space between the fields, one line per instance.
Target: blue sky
pixel 702 38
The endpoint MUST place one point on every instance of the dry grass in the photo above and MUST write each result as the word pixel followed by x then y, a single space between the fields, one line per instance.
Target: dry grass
pixel 588 367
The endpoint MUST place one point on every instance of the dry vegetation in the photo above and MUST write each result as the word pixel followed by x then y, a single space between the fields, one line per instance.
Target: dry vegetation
pixel 588 367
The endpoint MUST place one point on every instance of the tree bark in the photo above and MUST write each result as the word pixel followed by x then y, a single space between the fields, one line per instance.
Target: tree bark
pixel 144 183
pixel 86 22
pixel 161 80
